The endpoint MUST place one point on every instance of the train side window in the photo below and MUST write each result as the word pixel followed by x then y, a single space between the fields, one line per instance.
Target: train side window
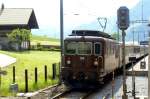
pixel 97 48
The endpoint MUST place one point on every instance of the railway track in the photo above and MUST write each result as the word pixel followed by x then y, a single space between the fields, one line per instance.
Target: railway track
pixel 58 91
pixel 73 94
pixel 47 92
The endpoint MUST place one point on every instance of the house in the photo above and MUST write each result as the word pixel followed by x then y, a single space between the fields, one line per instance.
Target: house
pixel 13 18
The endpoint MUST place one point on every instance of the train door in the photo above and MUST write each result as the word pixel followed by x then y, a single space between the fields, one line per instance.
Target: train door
pixel 98 53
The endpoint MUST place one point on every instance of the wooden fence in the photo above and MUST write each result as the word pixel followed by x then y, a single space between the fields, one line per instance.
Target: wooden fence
pixel 55 72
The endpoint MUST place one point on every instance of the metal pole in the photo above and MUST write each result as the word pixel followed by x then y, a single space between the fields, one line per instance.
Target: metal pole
pixel 149 70
pixel 61 32
pixel 113 83
pixel 144 48
pixel 142 11
pixel 139 43
pixel 124 68
pixel 138 38
pixel 133 82
pixel 118 34
pixel 133 39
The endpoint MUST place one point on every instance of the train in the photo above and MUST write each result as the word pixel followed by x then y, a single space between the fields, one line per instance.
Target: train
pixel 89 56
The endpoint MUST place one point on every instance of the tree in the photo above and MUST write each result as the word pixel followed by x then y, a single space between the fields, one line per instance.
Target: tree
pixel 20 36
pixel 115 35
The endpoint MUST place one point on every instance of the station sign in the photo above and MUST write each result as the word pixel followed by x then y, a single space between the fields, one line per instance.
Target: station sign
pixel 144 42
pixel 143 65
pixel 132 59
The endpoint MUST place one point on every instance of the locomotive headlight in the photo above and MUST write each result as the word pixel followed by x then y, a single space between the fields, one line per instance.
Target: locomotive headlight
pixel 74 77
pixel 86 77
pixel 68 61
pixel 96 62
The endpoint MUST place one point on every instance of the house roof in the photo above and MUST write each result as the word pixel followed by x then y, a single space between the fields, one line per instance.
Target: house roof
pixel 18 17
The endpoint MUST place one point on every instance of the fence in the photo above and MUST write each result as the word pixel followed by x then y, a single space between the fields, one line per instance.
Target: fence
pixel 54 74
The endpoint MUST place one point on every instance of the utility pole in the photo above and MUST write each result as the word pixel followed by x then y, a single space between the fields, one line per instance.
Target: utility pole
pixel 61 33
pixel 149 65
pixel 149 71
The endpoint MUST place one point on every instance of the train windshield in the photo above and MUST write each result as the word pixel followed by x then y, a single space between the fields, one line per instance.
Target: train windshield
pixel 78 48
pixel 71 48
pixel 84 48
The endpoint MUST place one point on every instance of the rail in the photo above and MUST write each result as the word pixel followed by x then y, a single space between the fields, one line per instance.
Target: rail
pixel 61 94
pixel 65 93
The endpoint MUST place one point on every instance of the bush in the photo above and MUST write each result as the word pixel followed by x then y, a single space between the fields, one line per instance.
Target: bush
pixel 45 47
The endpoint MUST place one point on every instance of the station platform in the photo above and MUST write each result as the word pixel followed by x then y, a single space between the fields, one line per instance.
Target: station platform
pixel 140 68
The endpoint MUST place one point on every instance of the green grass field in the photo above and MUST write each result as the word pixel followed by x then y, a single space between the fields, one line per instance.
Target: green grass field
pixel 29 60
pixel 44 40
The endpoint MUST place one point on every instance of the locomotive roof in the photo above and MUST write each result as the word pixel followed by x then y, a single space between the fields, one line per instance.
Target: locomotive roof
pixel 90 33
pixel 88 38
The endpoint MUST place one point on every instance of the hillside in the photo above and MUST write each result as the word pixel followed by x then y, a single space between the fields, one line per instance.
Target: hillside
pixel 44 40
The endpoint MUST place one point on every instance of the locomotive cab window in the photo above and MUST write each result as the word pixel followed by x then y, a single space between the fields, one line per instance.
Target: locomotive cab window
pixel 70 47
pixel 97 48
pixel 84 48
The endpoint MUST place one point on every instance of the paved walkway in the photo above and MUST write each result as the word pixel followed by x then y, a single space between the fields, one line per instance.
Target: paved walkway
pixel 6 60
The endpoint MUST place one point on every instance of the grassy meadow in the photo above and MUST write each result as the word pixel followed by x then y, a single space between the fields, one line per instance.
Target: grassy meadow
pixel 29 60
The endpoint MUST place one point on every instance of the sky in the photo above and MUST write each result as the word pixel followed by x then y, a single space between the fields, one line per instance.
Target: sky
pixel 76 12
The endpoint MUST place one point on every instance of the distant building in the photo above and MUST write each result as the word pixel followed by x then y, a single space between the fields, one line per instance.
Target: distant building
pixel 13 18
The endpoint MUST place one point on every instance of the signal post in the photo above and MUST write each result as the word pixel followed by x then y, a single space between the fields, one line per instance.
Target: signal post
pixel 123 24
